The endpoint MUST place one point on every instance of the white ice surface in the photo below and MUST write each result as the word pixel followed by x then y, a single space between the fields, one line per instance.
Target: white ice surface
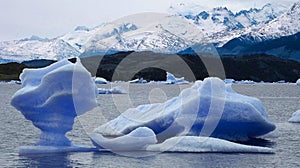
pixel 114 90
pixel 138 139
pixel 99 80
pixel 295 117
pixel 205 144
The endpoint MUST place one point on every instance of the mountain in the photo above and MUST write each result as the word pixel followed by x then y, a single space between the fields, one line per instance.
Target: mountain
pixel 36 48
pixel 221 24
pixel 170 34
pixel 279 37
pixel 166 34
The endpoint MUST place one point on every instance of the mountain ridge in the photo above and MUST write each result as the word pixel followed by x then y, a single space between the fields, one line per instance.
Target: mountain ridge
pixel 218 26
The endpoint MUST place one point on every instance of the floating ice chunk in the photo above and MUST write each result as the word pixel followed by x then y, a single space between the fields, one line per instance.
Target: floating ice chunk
pixel 229 81
pixel 138 81
pixel 171 79
pixel 99 80
pixel 51 97
pixel 295 117
pixel 246 82
pixel 205 144
pixel 208 108
pixel 281 81
pixel 12 82
pixel 298 82
pixel 114 90
pixel 138 139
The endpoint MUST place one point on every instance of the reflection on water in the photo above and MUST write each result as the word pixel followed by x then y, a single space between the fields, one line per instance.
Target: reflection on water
pixel 49 160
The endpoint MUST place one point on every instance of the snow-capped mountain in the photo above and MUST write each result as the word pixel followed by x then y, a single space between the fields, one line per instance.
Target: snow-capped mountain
pixel 285 25
pixel 170 34
pixel 36 48
pixel 222 19
pixel 221 24
pixel 272 38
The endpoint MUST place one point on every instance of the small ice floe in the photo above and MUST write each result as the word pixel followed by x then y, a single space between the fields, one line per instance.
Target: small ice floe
pixel 114 90
pixel 100 80
pixel 295 117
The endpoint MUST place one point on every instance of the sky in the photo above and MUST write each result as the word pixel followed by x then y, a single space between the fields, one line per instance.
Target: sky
pixel 51 18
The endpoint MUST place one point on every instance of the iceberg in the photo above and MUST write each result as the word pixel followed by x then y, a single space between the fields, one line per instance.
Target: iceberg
pixel 209 108
pixel 298 82
pixel 141 80
pixel 171 79
pixel 12 82
pixel 249 82
pixel 229 81
pixel 205 144
pixel 99 80
pixel 295 117
pixel 114 90
pixel 49 98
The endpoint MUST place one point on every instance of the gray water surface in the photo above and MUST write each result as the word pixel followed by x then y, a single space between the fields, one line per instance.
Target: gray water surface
pixel 280 101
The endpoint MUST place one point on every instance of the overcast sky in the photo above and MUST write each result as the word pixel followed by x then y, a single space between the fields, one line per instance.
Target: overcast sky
pixel 51 18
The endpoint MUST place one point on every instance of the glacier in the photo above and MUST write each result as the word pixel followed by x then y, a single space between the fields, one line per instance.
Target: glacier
pixel 295 117
pixel 208 108
pixel 49 98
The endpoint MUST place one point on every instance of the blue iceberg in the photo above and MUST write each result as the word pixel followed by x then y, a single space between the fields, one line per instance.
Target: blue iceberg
pixel 49 98
pixel 209 108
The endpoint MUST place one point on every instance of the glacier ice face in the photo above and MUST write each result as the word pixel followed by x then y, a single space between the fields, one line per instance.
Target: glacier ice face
pixel 295 117
pixel 208 108
pixel 205 144
pixel 49 97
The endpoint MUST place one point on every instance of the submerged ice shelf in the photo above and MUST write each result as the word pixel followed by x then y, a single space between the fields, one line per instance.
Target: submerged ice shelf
pixel 50 99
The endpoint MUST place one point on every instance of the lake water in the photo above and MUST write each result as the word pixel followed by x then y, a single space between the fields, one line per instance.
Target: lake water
pixel 280 101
